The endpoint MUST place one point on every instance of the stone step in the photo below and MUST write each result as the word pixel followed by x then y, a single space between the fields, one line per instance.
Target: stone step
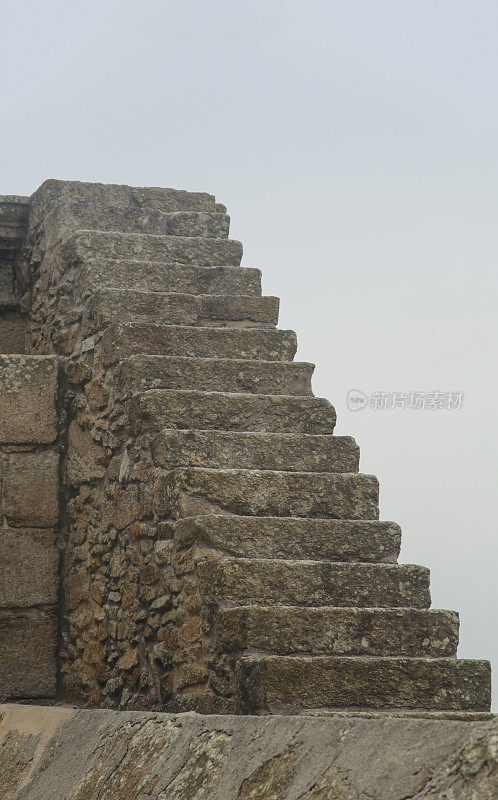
pixel 262 451
pixel 65 219
pixel 264 582
pixel 165 408
pixel 142 372
pixel 111 305
pixel 54 192
pixel 288 630
pixel 131 338
pixel 149 247
pixel 291 537
pixel 156 276
pixel 272 684
pixel 187 492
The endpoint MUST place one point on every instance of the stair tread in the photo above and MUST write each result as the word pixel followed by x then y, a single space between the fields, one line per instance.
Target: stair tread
pixel 256 450
pixel 273 683
pixel 121 340
pixel 189 491
pixel 147 246
pixel 190 408
pixel 332 630
pixel 108 305
pixel 240 376
pixel 234 581
pixel 292 537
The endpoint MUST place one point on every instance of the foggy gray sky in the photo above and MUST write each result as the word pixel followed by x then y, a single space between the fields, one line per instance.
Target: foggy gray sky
pixel 355 144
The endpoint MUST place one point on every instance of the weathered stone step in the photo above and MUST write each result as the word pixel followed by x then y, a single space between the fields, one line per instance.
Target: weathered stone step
pixel 111 305
pixel 165 408
pixel 130 338
pixel 287 630
pixel 143 372
pixel 187 492
pixel 291 537
pixel 148 247
pixel 54 192
pixel 65 219
pixel 264 582
pixel 283 683
pixel 274 451
pixel 156 276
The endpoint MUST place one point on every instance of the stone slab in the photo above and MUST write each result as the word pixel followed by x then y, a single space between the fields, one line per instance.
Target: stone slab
pixel 28 645
pixel 143 372
pixel 291 537
pixel 69 754
pixel 52 192
pixel 28 391
pixel 28 568
pixel 30 490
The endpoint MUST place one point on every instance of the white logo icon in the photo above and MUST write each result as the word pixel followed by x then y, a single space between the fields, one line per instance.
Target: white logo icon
pixel 356 400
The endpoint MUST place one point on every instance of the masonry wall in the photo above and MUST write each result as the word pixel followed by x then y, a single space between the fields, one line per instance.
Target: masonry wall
pixel 29 515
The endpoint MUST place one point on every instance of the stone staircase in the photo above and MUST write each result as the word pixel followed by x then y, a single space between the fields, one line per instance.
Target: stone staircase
pixel 283 592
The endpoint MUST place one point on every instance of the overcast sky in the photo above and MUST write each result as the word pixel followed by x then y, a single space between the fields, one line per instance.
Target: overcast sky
pixel 355 144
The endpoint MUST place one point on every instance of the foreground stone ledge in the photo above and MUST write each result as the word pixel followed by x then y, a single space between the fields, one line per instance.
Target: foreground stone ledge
pixel 67 754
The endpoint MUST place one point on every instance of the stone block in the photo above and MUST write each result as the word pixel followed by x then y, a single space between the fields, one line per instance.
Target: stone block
pixel 29 562
pixel 28 645
pixel 13 329
pixel 31 489
pixel 28 392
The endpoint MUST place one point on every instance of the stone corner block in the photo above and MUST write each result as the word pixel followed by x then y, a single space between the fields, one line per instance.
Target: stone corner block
pixel 30 491
pixel 28 393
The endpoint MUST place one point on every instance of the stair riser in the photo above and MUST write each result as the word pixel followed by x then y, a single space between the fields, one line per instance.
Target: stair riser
pixel 140 373
pixel 279 683
pixel 231 412
pixel 339 632
pixel 123 341
pixel 273 537
pixel 155 276
pixel 111 305
pixel 189 492
pixel 232 582
pixel 65 220
pixel 147 247
pixel 222 450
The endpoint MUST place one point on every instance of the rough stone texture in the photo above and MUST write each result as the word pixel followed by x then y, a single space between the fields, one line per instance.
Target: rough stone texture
pixel 291 537
pixel 139 373
pixel 144 600
pixel 28 393
pixel 14 328
pixel 65 754
pixel 28 568
pixel 107 305
pixel 122 341
pixel 284 630
pixel 282 683
pixel 31 489
pixel 232 581
pixel 274 451
pixel 28 643
pixel 163 408
pixel 54 192
pixel 156 276
pixel 67 218
pixel 186 492
pixel 170 249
